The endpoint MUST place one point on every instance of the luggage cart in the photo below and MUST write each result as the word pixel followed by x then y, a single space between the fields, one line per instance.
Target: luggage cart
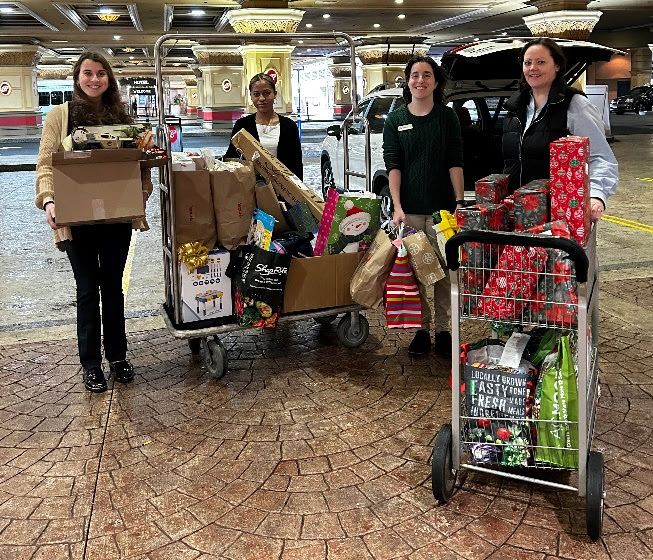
pixel 353 327
pixel 453 442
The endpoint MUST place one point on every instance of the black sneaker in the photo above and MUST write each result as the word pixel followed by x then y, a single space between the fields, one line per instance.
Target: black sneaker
pixel 421 344
pixel 94 380
pixel 442 343
pixel 124 372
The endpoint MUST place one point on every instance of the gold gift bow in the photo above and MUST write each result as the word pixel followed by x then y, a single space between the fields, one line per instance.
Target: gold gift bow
pixel 193 255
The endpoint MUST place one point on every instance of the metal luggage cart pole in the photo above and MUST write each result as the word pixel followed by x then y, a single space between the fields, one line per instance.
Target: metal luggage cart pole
pixel 451 446
pixel 353 328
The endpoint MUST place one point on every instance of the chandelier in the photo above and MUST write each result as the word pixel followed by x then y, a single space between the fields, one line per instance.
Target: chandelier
pixel 108 17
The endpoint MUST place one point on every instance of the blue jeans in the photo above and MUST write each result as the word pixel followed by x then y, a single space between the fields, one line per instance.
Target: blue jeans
pixel 98 254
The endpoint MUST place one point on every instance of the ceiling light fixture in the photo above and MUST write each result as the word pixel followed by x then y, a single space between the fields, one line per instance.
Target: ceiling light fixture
pixel 309 25
pixel 402 16
pixel 326 16
pixel 197 12
pixel 399 1
pixel 377 25
pixel 128 49
pixel 6 9
pixel 107 14
pixel 117 37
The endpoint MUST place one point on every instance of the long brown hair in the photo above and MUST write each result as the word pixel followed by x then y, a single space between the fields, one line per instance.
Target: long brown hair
pixel 439 74
pixel 110 111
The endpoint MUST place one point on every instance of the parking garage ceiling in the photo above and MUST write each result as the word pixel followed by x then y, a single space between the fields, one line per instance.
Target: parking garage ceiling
pixel 127 31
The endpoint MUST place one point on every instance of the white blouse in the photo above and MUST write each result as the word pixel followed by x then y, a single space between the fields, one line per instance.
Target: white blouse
pixel 268 135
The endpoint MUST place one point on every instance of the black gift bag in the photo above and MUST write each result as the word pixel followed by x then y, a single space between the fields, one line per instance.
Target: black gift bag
pixel 258 279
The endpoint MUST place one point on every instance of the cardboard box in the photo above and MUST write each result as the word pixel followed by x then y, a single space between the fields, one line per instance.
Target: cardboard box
pixel 285 182
pixel 206 292
pixel 97 186
pixel 320 282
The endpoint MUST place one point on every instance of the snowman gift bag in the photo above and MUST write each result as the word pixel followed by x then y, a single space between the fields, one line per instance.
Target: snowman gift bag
pixel 354 224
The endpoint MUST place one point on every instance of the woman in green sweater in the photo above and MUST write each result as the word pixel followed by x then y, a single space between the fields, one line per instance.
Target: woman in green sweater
pixel 423 154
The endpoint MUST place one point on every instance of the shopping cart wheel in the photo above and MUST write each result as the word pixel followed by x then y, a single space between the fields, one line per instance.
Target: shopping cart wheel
pixel 326 319
pixel 351 336
pixel 443 477
pixel 195 345
pixel 214 358
pixel 594 496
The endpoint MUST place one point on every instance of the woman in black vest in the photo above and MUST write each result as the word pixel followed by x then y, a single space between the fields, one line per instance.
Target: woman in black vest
pixel 544 110
pixel 276 133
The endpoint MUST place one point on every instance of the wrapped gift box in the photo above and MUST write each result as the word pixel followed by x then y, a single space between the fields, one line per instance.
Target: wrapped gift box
pixel 570 185
pixel 555 301
pixel 479 258
pixel 512 284
pixel 531 207
pixel 492 188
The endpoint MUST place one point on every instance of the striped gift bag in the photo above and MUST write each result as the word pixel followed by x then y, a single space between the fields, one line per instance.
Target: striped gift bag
pixel 403 309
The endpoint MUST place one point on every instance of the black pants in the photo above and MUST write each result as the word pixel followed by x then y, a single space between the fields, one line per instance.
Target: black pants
pixel 98 254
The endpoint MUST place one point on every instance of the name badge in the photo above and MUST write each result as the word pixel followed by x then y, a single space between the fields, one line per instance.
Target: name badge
pixel 405 127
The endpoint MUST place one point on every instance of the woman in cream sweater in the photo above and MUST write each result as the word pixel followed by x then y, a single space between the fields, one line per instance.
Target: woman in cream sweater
pixel 97 252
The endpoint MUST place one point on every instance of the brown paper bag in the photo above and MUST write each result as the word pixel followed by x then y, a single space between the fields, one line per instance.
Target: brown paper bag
pixel 194 217
pixel 423 259
pixel 266 200
pixel 234 203
pixel 369 278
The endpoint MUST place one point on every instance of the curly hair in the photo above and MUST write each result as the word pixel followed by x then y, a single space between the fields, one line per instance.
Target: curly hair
pixel 83 111
pixel 439 74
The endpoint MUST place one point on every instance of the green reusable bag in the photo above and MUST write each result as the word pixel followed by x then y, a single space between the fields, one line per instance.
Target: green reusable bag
pixel 557 426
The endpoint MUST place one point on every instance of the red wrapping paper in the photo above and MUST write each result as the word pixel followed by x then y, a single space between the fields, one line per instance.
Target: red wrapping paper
pixel 492 188
pixel 513 282
pixel 570 185
pixel 531 207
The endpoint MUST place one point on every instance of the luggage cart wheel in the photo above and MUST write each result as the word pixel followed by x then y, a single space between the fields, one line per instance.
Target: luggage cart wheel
pixel 214 357
pixel 443 477
pixel 195 345
pixel 594 495
pixel 326 319
pixel 351 335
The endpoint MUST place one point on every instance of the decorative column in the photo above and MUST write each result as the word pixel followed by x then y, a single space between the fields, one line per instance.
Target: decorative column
pixel 267 56
pixel 200 90
pixel 19 105
pixel 192 97
pixel 220 89
pixel 340 68
pixel 385 63
pixel 563 19
pixel 640 66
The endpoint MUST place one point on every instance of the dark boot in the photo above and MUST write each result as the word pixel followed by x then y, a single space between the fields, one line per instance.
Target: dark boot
pixel 421 344
pixel 94 380
pixel 124 372
pixel 442 343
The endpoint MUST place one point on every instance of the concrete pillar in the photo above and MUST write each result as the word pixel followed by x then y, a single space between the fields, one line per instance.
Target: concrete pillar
pixel 385 63
pixel 220 90
pixel 264 56
pixel 640 67
pixel 340 68
pixel 19 106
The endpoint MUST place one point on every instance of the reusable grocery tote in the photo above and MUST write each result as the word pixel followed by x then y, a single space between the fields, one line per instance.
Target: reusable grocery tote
pixel 353 226
pixel 259 279
pixel 403 309
pixel 556 400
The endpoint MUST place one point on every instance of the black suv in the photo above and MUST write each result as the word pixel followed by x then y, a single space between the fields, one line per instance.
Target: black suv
pixel 637 99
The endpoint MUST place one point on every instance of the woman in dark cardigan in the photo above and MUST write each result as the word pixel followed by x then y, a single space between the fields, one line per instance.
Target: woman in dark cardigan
pixel 276 133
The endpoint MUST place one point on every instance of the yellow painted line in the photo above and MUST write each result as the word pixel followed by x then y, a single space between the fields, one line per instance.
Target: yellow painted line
pixel 643 179
pixel 126 275
pixel 628 223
